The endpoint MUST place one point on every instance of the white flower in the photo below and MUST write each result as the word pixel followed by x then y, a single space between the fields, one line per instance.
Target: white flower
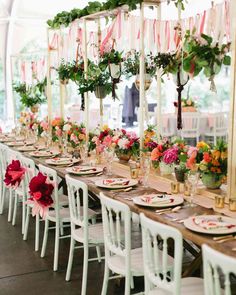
pixel 66 127
pixel 123 143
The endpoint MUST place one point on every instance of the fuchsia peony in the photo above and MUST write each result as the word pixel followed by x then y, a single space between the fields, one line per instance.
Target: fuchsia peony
pixel 170 156
pixel 14 174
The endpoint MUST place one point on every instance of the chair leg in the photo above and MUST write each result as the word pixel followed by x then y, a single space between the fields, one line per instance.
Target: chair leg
pixel 15 209
pixel 23 214
pixel 132 282
pixel 26 225
pixel 45 238
pixel 10 205
pixel 2 199
pixel 37 225
pixel 70 260
pixel 56 247
pixel 85 270
pixel 98 250
pixel 105 280
pixel 127 284
pixel 61 229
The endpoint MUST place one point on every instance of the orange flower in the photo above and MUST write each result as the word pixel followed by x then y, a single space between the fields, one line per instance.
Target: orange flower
pixel 215 162
pixel 82 136
pixel 202 144
pixel 155 154
pixel 224 155
pixel 207 157
pixel 216 154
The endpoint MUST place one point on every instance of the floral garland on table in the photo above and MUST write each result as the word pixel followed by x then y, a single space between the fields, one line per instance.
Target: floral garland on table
pixel 103 140
pixel 14 174
pixel 40 190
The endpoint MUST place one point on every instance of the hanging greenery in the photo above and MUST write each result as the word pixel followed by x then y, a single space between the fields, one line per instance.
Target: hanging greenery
pixel 131 64
pixel 31 95
pixel 65 18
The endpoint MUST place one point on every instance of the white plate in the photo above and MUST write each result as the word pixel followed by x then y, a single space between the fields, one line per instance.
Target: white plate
pixel 15 143
pixel 5 139
pixel 62 161
pixel 43 154
pixel 27 148
pixel 176 201
pixel 132 182
pixel 92 170
pixel 190 224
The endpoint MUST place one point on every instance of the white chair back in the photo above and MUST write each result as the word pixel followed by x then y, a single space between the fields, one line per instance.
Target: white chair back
pixel 156 268
pixel 3 158
pixel 221 123
pixel 214 265
pixel 29 164
pixel 167 129
pixel 52 176
pixel 78 204
pixel 191 125
pixel 117 238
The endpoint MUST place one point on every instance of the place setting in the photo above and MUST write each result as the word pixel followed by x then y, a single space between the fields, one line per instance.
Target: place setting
pixel 62 161
pixel 44 154
pixel 85 170
pixel 116 183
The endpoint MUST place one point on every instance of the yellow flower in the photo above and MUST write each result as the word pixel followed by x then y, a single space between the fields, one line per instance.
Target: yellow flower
pixel 202 144
pixel 82 136
pixel 216 154
pixel 105 127
pixel 202 167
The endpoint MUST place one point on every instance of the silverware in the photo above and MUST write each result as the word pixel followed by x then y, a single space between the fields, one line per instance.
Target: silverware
pixel 233 249
pixel 99 174
pixel 162 211
pixel 222 237
pixel 226 240
pixel 123 190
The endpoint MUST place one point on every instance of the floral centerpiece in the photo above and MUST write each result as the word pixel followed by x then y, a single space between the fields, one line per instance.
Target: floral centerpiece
pixel 213 167
pixel 188 105
pixel 180 163
pixel 195 155
pixel 126 144
pixel 150 141
pixel 103 140
pixel 76 133
pixel 57 128
pixel 164 156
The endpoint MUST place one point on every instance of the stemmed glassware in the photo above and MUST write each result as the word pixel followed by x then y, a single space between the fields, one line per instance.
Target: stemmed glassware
pixel 109 156
pixel 192 181
pixel 145 165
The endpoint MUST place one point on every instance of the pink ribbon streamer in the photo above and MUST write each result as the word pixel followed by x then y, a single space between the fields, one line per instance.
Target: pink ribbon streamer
pixel 202 22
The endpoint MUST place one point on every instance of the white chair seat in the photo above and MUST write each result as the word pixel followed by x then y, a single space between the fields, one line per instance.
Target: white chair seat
pixel 193 286
pixel 95 234
pixel 63 200
pixel 65 214
pixel 117 263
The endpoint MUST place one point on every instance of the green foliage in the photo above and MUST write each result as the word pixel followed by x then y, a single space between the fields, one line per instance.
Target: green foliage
pixel 202 54
pixel 131 64
pixel 65 18
pixel 71 71
pixel 31 95
pixel 111 57
pixel 96 76
pixel 167 62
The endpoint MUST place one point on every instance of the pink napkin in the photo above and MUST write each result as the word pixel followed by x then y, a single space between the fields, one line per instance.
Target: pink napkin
pixel 212 223
pixel 115 182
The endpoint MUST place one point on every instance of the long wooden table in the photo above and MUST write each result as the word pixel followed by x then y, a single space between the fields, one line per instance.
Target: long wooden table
pixel 158 186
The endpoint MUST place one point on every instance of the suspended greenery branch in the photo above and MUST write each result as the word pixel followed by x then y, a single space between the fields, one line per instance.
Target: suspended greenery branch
pixel 31 95
pixel 65 18
pixel 178 2
pixel 203 54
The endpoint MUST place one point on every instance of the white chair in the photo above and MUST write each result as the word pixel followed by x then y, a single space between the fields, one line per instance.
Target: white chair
pixel 30 173
pixel 119 258
pixel 158 278
pixel 3 188
pixel 90 235
pixel 191 125
pixel 217 265
pixel 167 129
pixel 218 128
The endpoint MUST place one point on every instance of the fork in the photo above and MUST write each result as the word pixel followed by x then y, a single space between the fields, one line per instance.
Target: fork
pixel 226 240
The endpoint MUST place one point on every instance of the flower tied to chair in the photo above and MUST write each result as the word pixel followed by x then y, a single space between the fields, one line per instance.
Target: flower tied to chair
pixel 14 174
pixel 40 190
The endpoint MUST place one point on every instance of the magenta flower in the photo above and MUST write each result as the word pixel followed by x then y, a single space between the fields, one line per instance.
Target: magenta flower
pixel 171 155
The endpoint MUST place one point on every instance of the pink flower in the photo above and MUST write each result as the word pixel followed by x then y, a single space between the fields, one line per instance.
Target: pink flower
pixel 44 125
pixel 58 131
pixel 74 138
pixel 171 155
pixel 107 141
pixel 192 152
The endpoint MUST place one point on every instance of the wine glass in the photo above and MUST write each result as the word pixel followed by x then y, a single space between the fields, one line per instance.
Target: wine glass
pixel 192 179
pixel 145 165
pixel 109 155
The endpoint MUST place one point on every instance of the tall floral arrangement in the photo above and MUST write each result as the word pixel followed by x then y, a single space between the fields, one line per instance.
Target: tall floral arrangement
pixel 104 139
pixel 57 128
pixel 126 142
pixel 76 133
pixel 160 152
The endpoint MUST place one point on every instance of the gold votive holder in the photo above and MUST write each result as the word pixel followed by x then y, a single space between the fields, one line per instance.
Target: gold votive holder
pixel 187 189
pixel 134 170
pixel 219 201
pixel 232 204
pixel 174 187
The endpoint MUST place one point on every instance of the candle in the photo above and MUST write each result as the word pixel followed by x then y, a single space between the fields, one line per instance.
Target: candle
pixel 232 204
pixel 174 187
pixel 219 201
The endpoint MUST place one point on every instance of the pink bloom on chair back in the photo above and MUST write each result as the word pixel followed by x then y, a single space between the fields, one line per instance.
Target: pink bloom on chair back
pixel 40 190
pixel 14 174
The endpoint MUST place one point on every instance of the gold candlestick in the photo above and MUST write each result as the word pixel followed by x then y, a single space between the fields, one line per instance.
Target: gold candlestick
pixel 232 204
pixel 219 201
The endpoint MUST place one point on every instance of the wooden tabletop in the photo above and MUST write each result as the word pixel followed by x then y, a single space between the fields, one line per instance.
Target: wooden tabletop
pixel 167 218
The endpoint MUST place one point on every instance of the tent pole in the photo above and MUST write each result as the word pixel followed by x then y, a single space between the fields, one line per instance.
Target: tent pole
pixel 86 96
pixel 49 86
pixel 158 114
pixel 142 77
